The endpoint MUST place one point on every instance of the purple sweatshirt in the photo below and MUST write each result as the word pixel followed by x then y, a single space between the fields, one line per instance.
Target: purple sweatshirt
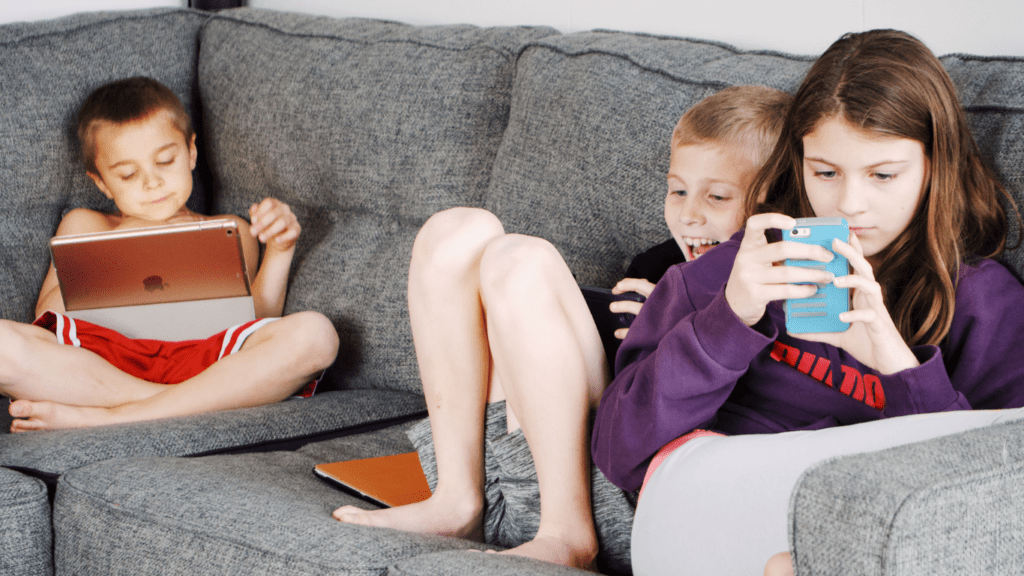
pixel 688 362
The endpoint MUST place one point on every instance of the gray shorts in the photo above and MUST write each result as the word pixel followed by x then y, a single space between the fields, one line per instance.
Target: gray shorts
pixel 512 497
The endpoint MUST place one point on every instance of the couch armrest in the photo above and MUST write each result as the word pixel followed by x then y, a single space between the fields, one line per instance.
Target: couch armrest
pixel 952 505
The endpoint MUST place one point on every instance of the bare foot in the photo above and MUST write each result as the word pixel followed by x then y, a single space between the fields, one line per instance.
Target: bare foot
pixel 461 518
pixel 779 565
pixel 45 415
pixel 557 550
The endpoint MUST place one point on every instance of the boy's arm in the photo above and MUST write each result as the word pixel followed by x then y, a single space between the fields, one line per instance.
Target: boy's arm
pixel 77 221
pixel 273 223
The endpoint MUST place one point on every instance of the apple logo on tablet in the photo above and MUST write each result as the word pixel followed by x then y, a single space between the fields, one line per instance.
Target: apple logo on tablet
pixel 153 283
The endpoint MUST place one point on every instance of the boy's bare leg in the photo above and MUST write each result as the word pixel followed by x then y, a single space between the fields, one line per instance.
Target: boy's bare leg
pixel 549 358
pixel 780 564
pixel 33 366
pixel 274 362
pixel 449 336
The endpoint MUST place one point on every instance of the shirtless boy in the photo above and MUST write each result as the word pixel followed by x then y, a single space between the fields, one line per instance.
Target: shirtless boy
pixel 139 148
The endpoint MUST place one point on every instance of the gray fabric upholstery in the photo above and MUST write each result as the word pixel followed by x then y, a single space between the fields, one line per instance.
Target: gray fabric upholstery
pixel 247 514
pixel 56 452
pixel 951 505
pixel 585 154
pixel 25 536
pixel 48 68
pixel 366 129
pixel 991 90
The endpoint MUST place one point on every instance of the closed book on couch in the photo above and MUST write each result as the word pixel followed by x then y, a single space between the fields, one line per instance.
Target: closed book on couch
pixel 387 481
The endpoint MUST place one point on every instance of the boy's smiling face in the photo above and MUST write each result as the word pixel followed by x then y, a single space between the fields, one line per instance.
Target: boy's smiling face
pixel 707 184
pixel 145 166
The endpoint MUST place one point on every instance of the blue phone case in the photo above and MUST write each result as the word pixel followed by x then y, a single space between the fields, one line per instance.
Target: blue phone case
pixel 820 312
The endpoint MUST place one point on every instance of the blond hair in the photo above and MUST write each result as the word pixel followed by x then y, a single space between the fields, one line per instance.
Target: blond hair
pixel 749 118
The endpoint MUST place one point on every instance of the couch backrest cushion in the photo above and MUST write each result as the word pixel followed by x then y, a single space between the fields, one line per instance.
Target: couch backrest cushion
pixel 585 155
pixel 991 90
pixel 365 128
pixel 48 68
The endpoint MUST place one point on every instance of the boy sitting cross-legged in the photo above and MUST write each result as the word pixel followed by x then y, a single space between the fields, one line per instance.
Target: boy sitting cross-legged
pixel 139 148
pixel 512 364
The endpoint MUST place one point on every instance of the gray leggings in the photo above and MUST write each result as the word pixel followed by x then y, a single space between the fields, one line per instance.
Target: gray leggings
pixel 512 497
pixel 719 505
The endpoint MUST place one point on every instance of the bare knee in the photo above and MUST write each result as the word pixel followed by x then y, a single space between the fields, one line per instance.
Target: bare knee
pixel 780 564
pixel 453 239
pixel 520 267
pixel 309 339
pixel 17 357
pixel 14 342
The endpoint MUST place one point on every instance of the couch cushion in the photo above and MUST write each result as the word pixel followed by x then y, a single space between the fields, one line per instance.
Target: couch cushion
pixel 25 535
pixel 951 505
pixel 48 68
pixel 365 128
pixel 286 424
pixel 585 154
pixel 235 514
pixel 992 92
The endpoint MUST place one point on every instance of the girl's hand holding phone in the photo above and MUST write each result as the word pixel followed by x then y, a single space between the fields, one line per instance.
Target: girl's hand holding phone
pixel 758 277
pixel 872 337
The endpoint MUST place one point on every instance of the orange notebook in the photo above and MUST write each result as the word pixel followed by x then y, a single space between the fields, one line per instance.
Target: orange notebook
pixel 386 480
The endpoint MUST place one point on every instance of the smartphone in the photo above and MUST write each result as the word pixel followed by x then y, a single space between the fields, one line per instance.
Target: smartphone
pixel 820 312
pixel 598 299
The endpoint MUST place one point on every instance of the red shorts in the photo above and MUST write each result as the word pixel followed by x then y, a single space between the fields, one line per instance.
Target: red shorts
pixel 159 361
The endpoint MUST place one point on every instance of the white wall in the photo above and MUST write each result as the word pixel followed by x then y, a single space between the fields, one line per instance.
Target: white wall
pixel 20 10
pixel 987 27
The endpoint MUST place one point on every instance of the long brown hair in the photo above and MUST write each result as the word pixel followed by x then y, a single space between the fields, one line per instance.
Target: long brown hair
pixel 888 82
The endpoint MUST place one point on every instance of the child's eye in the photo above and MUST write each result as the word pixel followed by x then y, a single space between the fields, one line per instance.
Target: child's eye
pixel 679 192
pixel 165 162
pixel 718 198
pixel 825 174
pixel 127 177
pixel 884 176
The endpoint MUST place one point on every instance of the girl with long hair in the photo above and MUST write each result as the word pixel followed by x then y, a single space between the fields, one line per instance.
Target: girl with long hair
pixel 708 373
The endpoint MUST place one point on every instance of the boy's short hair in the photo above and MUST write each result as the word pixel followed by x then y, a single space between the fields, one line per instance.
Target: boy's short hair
pixel 124 101
pixel 749 117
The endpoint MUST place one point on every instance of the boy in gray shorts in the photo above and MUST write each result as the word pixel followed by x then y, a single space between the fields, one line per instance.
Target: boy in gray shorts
pixel 513 366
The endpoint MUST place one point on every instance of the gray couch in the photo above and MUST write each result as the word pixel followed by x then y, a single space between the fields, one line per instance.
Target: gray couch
pixel 366 128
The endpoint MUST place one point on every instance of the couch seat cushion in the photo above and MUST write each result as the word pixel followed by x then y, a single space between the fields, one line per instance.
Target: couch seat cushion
pixel 283 425
pixel 25 535
pixel 228 514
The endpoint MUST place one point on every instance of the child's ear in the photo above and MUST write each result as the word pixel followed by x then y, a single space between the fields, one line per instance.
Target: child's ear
pixel 193 154
pixel 98 180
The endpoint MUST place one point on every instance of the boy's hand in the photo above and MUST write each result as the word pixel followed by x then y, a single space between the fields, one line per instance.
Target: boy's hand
pixel 274 224
pixel 640 286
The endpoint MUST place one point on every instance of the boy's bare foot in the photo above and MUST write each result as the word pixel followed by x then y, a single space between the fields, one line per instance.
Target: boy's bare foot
pixel 461 518
pixel 45 415
pixel 557 550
